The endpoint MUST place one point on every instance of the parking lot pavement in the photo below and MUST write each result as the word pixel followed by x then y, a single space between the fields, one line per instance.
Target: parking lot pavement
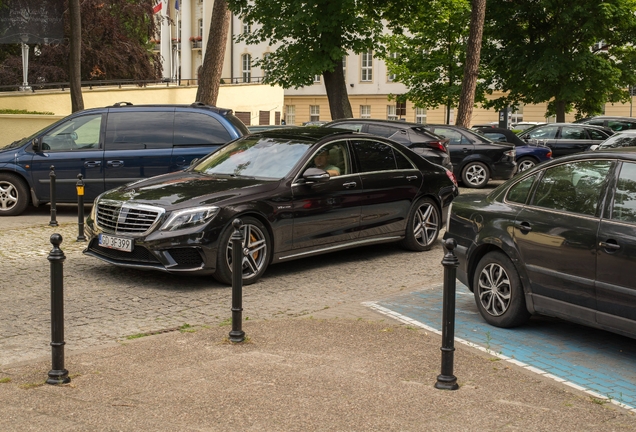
pixel 601 363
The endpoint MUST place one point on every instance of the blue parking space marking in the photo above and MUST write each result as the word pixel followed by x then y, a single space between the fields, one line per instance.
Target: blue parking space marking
pixel 601 363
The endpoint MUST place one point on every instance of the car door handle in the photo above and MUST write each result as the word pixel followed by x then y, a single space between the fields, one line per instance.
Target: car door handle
pixel 115 163
pixel 523 226
pixel 92 164
pixel 411 178
pixel 349 185
pixel 611 246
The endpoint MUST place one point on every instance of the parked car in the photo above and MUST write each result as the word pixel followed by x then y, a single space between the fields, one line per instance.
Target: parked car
pixel 566 138
pixel 485 126
pixel 475 158
pixel 616 123
pixel 277 183
pixel 315 123
pixel 109 146
pixel 557 240
pixel 261 128
pixel 430 146
pixel 521 126
pixel 527 155
pixel 620 139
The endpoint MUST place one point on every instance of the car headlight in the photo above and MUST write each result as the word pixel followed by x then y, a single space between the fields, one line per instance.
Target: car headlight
pixel 189 218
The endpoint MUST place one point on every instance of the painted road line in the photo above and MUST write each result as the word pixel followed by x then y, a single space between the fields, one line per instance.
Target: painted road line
pixel 599 363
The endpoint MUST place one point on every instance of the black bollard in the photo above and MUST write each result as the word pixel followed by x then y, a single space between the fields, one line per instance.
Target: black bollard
pixel 80 208
pixel 57 375
pixel 53 221
pixel 446 380
pixel 237 334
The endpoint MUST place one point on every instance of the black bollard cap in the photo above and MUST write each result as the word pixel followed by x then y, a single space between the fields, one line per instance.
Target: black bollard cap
pixel 450 244
pixel 56 240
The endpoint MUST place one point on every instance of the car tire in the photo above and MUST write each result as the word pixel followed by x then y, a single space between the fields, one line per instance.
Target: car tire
pixel 475 175
pixel 525 163
pixel 498 291
pixel 257 247
pixel 14 195
pixel 423 226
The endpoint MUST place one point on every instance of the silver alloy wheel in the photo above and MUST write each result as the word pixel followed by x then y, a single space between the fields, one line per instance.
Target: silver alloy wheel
pixel 425 224
pixel 476 175
pixel 494 289
pixel 254 251
pixel 526 165
pixel 8 196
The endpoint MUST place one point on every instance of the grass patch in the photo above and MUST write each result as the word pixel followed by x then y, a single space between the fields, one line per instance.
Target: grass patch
pixel 5 380
pixel 599 401
pixel 28 386
pixel 137 336
pixel 187 328
pixel 21 111
pixel 226 322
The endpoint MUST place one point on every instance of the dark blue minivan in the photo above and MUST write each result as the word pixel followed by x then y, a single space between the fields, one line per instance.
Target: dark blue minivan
pixel 110 147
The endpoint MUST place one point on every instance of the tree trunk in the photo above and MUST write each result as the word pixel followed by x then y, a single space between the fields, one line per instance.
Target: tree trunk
pixel 336 87
pixel 471 68
pixel 210 81
pixel 560 111
pixel 75 53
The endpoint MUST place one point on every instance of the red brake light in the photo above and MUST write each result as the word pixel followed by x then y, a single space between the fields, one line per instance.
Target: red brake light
pixel 549 155
pixel 451 176
pixel 437 145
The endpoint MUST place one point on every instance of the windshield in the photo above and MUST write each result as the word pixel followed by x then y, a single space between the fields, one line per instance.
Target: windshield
pixel 255 156
pixel 618 140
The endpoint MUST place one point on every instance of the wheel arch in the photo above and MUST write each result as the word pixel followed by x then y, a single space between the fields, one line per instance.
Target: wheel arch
pixel 266 223
pixel 21 176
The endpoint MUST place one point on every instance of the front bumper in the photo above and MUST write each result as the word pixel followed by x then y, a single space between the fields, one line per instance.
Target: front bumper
pixel 184 252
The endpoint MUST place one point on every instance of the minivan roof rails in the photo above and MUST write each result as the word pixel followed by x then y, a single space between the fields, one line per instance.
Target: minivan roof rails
pixel 118 104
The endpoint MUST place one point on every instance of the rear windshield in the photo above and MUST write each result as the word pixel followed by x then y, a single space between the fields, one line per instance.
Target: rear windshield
pixel 238 124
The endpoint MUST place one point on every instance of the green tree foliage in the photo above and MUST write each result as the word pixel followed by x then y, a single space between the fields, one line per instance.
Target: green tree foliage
pixel 427 51
pixel 115 45
pixel 311 37
pixel 545 51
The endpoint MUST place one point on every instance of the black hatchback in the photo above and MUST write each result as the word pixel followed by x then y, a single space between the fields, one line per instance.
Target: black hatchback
pixel 558 240
pixel 298 191
pixel 476 159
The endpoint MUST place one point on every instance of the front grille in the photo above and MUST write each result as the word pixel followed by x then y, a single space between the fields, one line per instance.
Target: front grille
pixel 138 255
pixel 186 257
pixel 123 218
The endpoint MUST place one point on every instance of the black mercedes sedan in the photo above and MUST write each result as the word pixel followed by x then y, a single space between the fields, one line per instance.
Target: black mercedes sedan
pixel 298 192
pixel 559 240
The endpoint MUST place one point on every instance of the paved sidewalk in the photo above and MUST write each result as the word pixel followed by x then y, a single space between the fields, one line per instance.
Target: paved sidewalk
pixel 357 372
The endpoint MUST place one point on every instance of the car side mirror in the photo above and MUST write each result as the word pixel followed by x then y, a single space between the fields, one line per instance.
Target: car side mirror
pixel 315 175
pixel 35 145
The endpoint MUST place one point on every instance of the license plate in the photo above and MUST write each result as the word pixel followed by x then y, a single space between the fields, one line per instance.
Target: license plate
pixel 119 243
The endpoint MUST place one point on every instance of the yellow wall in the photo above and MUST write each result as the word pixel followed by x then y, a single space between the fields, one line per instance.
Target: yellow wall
pixel 242 97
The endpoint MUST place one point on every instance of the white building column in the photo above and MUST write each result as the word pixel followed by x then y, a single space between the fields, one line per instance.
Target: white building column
pixel 166 41
pixel 186 45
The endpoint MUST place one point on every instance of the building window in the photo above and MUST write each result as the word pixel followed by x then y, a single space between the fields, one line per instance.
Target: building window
pixel 200 23
pixel 344 67
pixel 391 77
pixel 391 113
pixel 317 79
pixel 247 28
pixel 365 111
pixel 247 68
pixel 420 115
pixel 367 66
pixel 290 115
pixel 314 112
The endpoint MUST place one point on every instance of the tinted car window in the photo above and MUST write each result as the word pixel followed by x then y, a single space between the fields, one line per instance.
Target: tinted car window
pixel 519 192
pixel 568 132
pixel 596 135
pixel 383 131
pixel 548 132
pixel 495 136
pixel 356 127
pixel 454 136
pixel 374 156
pixel 196 128
pixel 337 158
pixel 618 140
pixel 624 208
pixel 619 125
pixel 401 161
pixel 139 130
pixel 79 133
pixel 573 187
